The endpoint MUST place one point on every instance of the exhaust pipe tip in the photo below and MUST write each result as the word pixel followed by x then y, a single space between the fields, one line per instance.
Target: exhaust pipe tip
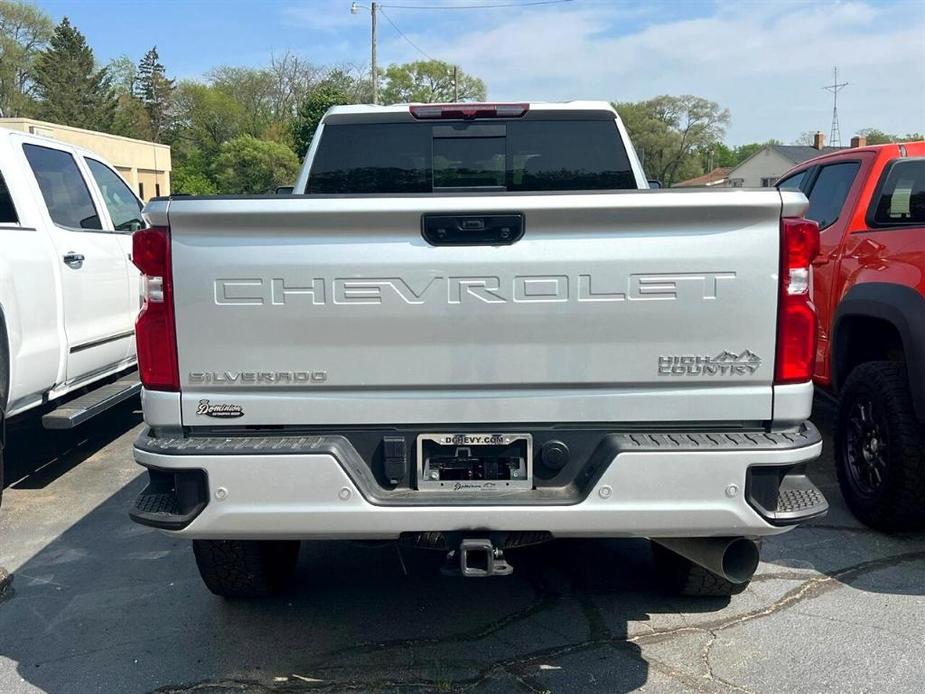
pixel 740 560
pixel 734 559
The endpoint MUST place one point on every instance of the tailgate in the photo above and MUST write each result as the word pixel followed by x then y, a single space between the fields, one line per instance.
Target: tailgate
pixel 616 307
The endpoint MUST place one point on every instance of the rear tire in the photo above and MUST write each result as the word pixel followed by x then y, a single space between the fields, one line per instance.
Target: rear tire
pixel 246 568
pixel 681 576
pixel 880 448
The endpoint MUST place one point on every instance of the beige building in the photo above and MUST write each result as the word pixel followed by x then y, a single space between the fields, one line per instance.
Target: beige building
pixel 145 165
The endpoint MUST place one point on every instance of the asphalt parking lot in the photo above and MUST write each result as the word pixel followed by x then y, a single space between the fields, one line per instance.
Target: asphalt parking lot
pixel 100 604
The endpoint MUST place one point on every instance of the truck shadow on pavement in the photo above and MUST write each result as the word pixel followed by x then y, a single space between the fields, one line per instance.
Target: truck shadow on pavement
pixel 111 606
pixel 36 457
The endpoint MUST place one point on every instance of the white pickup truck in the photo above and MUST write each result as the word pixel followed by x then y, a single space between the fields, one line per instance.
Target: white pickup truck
pixel 470 329
pixel 69 293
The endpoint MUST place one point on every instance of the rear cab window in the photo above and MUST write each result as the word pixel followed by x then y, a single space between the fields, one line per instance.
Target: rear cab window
pixel 900 197
pixel 63 187
pixel 7 208
pixel 481 155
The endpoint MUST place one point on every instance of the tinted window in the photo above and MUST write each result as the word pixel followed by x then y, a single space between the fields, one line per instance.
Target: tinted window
pixel 63 188
pixel 830 191
pixel 7 211
pixel 529 155
pixel 124 208
pixel 793 182
pixel 375 158
pixel 901 200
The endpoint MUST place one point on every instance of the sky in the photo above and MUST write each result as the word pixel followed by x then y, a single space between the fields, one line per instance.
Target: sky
pixel 766 60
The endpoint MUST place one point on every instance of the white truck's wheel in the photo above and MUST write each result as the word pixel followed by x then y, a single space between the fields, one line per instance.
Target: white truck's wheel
pixel 246 568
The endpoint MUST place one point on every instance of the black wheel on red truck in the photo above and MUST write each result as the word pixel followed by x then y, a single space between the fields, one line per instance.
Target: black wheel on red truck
pixel 246 568
pixel 880 448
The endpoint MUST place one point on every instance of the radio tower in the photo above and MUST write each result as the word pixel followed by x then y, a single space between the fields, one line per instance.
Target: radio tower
pixel 835 87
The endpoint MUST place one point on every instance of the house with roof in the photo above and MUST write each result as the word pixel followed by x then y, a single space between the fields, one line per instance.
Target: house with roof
pixel 764 167
pixel 715 178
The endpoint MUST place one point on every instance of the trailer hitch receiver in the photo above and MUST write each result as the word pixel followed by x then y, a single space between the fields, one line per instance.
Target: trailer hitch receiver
pixel 479 558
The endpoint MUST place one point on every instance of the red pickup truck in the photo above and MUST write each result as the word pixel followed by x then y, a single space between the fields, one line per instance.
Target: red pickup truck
pixel 869 291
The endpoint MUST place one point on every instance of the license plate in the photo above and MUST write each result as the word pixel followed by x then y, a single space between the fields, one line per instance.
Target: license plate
pixel 477 462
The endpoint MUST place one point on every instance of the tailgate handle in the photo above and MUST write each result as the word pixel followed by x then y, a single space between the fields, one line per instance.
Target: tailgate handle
pixel 501 229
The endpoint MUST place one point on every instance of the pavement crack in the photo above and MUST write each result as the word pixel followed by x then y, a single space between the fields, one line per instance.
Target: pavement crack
pixel 518 667
pixel 711 674
pixel 6 585
pixel 545 600
pixel 807 590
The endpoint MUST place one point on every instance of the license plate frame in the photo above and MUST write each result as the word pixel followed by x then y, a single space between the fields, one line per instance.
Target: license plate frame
pixel 476 442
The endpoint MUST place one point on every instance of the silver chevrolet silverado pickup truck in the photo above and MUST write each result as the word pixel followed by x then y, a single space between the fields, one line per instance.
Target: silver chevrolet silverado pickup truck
pixel 473 328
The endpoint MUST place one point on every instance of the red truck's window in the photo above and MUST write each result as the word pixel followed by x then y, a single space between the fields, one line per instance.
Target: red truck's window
pixel 794 182
pixel 829 192
pixel 7 211
pixel 900 200
pixel 429 157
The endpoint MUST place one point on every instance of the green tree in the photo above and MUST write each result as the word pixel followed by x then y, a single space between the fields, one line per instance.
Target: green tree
pixel 24 33
pixel 252 88
pixel 355 85
pixel 429 81
pixel 316 104
pixel 671 132
pixel 719 154
pixel 71 89
pixel 878 137
pixel 192 177
pixel 743 152
pixel 155 92
pixel 123 72
pixel 205 117
pixel 248 165
pixel 131 118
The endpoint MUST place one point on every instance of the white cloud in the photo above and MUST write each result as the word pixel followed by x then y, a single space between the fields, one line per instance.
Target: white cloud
pixel 766 61
pixel 323 15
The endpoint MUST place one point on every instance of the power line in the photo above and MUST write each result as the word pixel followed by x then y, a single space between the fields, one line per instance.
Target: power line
pixel 478 7
pixel 420 50
pixel 405 36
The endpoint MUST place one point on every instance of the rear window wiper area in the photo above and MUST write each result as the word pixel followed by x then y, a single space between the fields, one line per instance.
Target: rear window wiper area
pixel 506 156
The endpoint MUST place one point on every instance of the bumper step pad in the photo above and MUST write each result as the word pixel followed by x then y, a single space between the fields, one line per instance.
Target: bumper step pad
pixel 796 498
pixel 172 499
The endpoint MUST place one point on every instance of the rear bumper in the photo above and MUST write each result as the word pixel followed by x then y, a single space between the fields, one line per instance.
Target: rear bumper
pixel 650 485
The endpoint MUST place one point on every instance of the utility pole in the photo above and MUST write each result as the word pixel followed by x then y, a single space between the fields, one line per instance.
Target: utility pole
pixel 374 71
pixel 456 84
pixel 834 88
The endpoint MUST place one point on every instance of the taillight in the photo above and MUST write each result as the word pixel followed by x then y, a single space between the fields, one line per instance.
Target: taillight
pixel 468 111
pixel 796 318
pixel 155 330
